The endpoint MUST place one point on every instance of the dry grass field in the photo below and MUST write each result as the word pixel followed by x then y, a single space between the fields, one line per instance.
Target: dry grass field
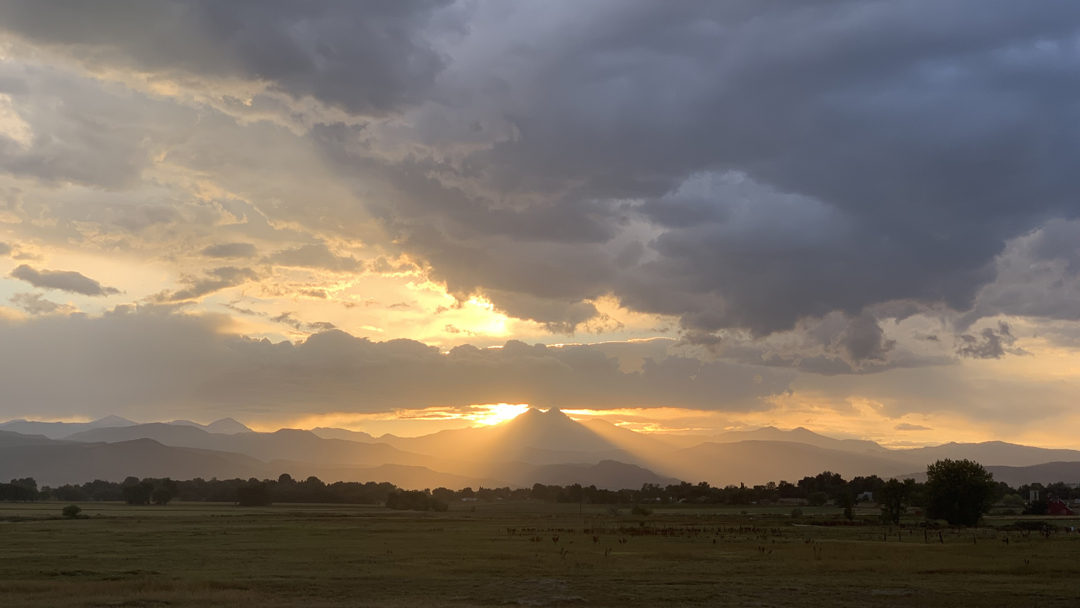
pixel 493 555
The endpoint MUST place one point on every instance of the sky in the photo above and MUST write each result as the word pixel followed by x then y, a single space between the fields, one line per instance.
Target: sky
pixel 860 217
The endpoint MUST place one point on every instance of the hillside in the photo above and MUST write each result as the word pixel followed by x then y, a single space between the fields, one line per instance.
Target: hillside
pixel 758 462
pixel 1046 473
pixel 536 447
pixel 60 430
pixel 59 463
pixel 285 444
pixel 990 453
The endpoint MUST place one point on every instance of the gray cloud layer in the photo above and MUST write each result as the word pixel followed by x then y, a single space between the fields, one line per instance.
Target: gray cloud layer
pixel 64 280
pixel 363 56
pixel 786 160
pixel 733 165
pixel 230 250
pixel 132 361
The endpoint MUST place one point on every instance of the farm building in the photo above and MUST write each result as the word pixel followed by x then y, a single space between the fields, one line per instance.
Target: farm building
pixel 1058 507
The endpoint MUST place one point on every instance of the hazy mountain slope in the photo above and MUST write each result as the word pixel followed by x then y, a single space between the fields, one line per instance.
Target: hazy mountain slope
pixel 770 433
pixel 286 444
pixel 10 439
pixel 535 436
pixel 758 462
pixel 59 463
pixel 225 426
pixel 996 453
pixel 53 462
pixel 334 433
pixel 1046 473
pixel 508 453
pixel 462 443
pixel 60 430
pixel 640 444
pixel 550 430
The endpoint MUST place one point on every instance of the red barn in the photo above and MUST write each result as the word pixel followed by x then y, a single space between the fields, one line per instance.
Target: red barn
pixel 1058 507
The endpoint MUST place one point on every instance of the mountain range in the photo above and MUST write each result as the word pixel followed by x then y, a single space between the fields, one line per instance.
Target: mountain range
pixel 535 447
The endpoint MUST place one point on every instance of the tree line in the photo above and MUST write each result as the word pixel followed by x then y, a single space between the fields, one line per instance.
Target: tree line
pixel 958 491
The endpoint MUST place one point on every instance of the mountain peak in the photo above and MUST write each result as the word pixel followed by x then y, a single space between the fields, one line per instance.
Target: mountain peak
pixel 552 430
pixel 111 421
pixel 227 426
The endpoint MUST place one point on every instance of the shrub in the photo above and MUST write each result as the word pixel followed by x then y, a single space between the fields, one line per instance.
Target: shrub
pixel 253 495
pixel 1013 501
pixel 71 511
pixel 1038 507
pixel 817 499
pixel 640 510
pixel 796 513
pixel 415 500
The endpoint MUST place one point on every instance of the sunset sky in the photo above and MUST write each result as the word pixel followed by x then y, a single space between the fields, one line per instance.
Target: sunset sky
pixel 858 217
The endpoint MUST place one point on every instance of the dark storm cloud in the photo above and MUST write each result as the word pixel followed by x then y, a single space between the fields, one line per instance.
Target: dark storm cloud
pixel 340 365
pixel 735 165
pixel 1038 275
pixel 864 340
pixel 989 344
pixel 214 280
pixel 36 304
pixel 85 134
pixel 365 57
pixel 316 256
pixel 63 280
pixel 141 360
pixel 796 158
pixel 230 250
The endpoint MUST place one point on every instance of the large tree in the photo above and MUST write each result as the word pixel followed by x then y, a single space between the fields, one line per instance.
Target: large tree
pixel 958 491
pixel 893 497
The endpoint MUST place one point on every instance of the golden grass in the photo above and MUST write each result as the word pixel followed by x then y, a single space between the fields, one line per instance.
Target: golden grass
pixel 324 555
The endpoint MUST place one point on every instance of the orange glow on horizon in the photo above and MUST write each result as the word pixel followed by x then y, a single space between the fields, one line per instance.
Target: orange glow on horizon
pixel 437 418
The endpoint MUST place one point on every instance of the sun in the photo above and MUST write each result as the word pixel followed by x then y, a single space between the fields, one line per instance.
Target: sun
pixel 497 413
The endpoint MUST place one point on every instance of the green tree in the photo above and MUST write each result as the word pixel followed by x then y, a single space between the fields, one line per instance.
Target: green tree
pixel 846 501
pixel 893 498
pixel 1038 507
pixel 959 491
pixel 254 495
pixel 164 491
pixel 71 511
pixel 138 493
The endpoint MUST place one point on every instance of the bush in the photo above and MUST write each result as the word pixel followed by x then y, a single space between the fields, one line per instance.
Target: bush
pixel 253 495
pixel 415 500
pixel 1038 507
pixel 71 511
pixel 817 499
pixel 796 513
pixel 1013 501
pixel 640 510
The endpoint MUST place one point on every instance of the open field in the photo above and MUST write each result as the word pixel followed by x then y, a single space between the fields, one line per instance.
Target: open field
pixel 343 555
